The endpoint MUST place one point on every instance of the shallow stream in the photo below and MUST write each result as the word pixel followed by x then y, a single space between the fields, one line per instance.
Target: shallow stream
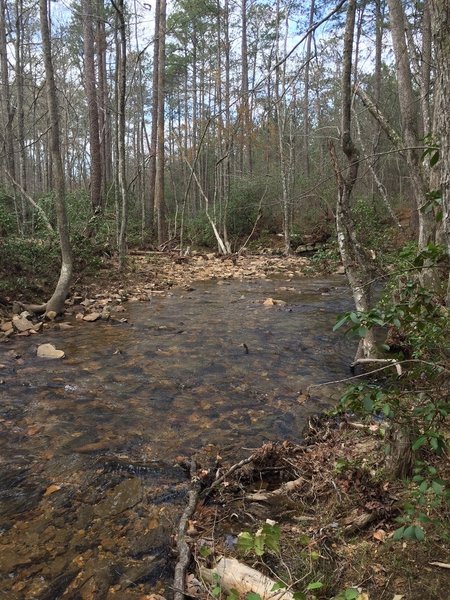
pixel 89 486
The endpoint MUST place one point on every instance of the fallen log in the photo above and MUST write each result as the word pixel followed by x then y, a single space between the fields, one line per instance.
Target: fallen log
pixel 237 576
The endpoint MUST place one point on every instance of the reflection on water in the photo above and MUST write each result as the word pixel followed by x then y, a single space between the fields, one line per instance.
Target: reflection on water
pixel 88 443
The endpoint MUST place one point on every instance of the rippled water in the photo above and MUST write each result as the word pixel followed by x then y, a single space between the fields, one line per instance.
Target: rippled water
pixel 88 443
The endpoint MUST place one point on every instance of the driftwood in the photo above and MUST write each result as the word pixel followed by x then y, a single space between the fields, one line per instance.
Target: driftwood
pixel 184 551
pixel 284 490
pixel 235 575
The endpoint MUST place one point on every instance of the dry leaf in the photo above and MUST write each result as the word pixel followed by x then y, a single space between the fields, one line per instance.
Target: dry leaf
pixel 52 489
pixel 380 535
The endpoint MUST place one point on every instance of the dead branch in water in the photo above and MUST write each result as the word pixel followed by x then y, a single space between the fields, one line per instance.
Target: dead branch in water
pixel 184 551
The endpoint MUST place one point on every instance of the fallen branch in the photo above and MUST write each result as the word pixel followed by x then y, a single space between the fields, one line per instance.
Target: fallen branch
pixel 222 478
pixel 184 551
pixel 284 490
pixel 235 575
pixel 387 361
pixel 440 564
pixel 403 362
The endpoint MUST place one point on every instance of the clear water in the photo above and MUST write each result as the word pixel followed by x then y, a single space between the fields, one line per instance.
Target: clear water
pixel 104 425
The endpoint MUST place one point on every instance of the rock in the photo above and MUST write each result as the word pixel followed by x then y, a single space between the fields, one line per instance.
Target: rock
pixel 94 447
pixel 49 351
pixel 22 323
pixel 95 316
pixel 273 302
pixel 340 270
pixel 124 496
pixel 106 313
pixel 7 326
pixel 51 315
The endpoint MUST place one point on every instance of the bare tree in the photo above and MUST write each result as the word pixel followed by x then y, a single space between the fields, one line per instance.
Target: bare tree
pixel 121 58
pixel 56 302
pixel 354 258
pixel 159 180
pixel 92 102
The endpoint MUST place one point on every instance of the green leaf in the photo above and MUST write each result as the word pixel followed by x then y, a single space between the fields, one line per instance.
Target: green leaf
pixel 233 595
pixel 386 409
pixel 314 585
pixel 419 442
pixel 437 488
pixel 259 544
pixel 355 318
pixel 205 551
pixel 434 159
pixel 299 596
pixel 423 487
pixel 351 594
pixel 419 533
pixel 245 541
pixel 279 585
pixel 398 533
pixel 252 596
pixel 434 443
pixel 368 403
pixel 409 533
pixel 272 535
pixel 341 322
pixel 362 331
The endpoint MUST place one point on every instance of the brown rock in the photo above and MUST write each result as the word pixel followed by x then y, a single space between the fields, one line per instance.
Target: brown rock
pixel 49 351
pixel 95 316
pixel 22 323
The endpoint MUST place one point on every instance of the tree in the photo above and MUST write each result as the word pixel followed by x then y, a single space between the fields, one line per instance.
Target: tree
pixel 121 70
pixel 354 258
pixel 160 154
pixel 440 13
pixel 92 102
pixel 56 302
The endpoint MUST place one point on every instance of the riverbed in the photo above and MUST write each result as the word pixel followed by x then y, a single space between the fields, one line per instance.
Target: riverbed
pixel 90 482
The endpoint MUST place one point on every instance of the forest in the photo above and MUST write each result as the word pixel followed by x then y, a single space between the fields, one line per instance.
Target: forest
pixel 224 226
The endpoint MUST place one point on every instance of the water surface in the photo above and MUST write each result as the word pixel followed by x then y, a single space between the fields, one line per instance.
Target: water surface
pixel 88 444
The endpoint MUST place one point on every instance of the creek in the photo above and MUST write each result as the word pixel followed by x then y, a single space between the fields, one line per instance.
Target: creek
pixel 90 487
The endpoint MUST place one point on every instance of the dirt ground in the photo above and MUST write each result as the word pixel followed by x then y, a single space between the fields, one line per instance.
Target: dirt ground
pixel 336 520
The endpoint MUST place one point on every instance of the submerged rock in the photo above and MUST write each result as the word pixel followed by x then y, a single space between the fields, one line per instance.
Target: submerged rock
pixel 124 496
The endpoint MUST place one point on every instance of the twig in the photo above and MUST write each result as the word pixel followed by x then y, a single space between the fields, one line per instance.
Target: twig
pixel 430 364
pixel 222 478
pixel 440 564
pixel 184 551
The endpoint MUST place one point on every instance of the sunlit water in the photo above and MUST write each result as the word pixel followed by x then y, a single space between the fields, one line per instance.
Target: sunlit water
pixel 104 425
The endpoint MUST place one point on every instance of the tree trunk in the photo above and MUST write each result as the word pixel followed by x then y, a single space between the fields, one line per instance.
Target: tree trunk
pixel 121 129
pixel 409 108
pixel 90 83
pixel 8 112
pixel 159 182
pixel 440 13
pixel 56 302
pixel 353 258
pixel 20 108
pixel 154 118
